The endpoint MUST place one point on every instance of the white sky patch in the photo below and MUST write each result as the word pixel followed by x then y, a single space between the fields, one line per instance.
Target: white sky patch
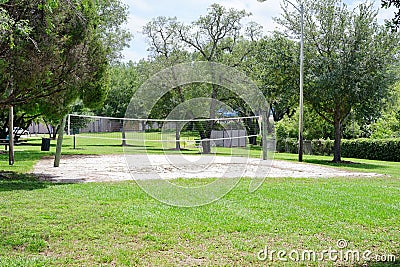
pixel 143 11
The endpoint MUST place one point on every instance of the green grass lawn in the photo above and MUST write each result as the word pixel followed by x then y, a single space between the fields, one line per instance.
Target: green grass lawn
pixel 117 224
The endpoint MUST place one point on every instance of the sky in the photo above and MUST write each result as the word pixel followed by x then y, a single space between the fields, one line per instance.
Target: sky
pixel 143 11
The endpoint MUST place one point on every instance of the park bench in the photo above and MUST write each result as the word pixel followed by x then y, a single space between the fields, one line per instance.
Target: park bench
pixel 4 142
pixel 17 141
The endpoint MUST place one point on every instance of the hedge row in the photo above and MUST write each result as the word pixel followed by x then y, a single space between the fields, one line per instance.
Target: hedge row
pixel 314 147
pixel 375 149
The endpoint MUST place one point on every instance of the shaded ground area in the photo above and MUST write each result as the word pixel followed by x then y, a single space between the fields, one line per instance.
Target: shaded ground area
pixel 98 168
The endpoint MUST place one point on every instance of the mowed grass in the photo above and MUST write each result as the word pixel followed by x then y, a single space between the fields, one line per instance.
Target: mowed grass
pixel 110 224
pixel 118 224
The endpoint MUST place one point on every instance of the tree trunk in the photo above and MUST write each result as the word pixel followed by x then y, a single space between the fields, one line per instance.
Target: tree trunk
pixel 48 128
pixel 205 133
pixel 338 139
pixel 177 136
pixel 253 140
pixel 59 143
pixel 210 124
pixel 123 136
pixel 206 145
pixel 252 128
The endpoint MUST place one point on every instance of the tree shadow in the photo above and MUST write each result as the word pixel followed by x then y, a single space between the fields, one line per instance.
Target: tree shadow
pixel 351 165
pixel 348 164
pixel 11 181
pixel 108 145
pixel 170 151
pixel 29 144
pixel 116 145
pixel 25 155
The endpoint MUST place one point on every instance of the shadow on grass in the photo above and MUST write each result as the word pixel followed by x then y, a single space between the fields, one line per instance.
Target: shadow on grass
pixel 323 160
pixel 100 145
pixel 25 155
pixel 115 145
pixel 165 150
pixel 11 181
pixel 29 144
pixel 355 165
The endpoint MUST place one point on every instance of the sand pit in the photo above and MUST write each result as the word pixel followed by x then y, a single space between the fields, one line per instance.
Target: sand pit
pixel 102 168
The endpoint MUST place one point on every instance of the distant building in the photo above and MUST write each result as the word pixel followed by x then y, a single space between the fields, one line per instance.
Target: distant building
pixel 39 128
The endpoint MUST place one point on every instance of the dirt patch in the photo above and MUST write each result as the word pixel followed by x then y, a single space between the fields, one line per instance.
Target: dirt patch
pixel 98 168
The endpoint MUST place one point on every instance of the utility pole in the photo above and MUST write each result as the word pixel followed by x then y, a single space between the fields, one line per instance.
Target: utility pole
pixel 301 117
pixel 11 121
pixel 301 107
pixel 264 130
pixel 11 136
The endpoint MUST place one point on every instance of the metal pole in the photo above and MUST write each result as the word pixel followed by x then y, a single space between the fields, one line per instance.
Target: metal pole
pixel 301 10
pixel 11 121
pixel 11 136
pixel 301 83
pixel 264 129
pixel 69 125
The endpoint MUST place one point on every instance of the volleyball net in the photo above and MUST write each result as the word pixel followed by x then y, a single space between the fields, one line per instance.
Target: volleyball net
pixel 199 134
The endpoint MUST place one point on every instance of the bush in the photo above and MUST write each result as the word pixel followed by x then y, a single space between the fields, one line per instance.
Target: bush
pixel 288 145
pixel 322 147
pixel 386 127
pixel 374 149
pixel 318 147
pixel 314 126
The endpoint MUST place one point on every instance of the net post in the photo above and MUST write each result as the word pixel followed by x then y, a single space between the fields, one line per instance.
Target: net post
pixel 69 125
pixel 264 130
pixel 123 134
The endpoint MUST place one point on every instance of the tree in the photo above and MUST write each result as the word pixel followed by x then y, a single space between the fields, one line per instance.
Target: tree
pixel 162 36
pixel 62 55
pixel 30 61
pixel 314 127
pixel 58 51
pixel 63 46
pixel 217 37
pixel 388 125
pixel 22 118
pixel 348 58
pixel 124 81
pixel 275 67
pixel 395 23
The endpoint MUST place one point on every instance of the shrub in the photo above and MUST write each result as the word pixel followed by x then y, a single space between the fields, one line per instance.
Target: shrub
pixel 288 145
pixel 322 147
pixel 318 147
pixel 375 149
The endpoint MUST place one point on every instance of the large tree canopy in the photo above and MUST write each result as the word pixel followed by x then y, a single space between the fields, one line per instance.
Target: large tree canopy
pixel 218 36
pixel 274 65
pixel 53 52
pixel 124 81
pixel 58 49
pixel 347 60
